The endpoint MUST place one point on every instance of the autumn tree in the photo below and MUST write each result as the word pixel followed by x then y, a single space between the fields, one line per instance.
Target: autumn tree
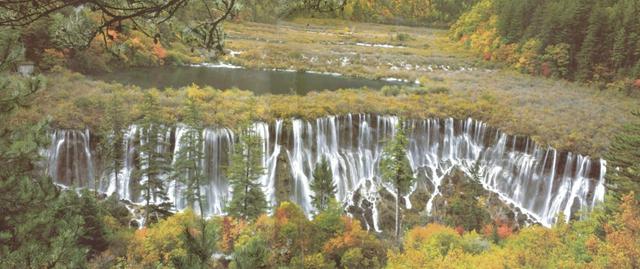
pixel 395 169
pixel 353 246
pixel 578 39
pixel 145 15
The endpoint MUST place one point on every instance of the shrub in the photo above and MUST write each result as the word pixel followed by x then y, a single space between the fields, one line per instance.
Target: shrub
pixel 403 37
pixel 391 90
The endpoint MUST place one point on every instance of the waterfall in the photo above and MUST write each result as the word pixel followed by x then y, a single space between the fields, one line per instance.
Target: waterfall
pixel 540 181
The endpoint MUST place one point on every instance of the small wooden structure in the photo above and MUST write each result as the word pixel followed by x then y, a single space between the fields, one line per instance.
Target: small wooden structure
pixel 25 68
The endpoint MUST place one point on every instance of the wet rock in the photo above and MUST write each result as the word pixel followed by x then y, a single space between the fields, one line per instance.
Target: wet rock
pixel 284 180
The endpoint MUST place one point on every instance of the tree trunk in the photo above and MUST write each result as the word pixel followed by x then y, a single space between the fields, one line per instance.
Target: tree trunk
pixel 398 214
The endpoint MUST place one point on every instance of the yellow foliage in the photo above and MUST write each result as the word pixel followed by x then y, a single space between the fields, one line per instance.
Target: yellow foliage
pixel 161 242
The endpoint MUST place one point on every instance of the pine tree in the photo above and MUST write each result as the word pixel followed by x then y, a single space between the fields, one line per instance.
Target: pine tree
pixel 395 169
pixel 188 171
pixel 37 229
pixel 188 165
pixel 594 48
pixel 112 132
pixel 623 158
pixel 322 185
pixel 155 161
pixel 248 200
pixel 94 237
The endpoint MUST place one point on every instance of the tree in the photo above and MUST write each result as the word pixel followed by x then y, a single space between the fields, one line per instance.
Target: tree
pixel 164 244
pixel 155 161
pixel 425 247
pixel 593 49
pixel 463 205
pixel 112 132
pixel 188 164
pixel 112 13
pixel 248 200
pixel 37 229
pixel 94 236
pixel 320 6
pixel 322 185
pixel 253 253
pixel 371 253
pixel 11 49
pixel 188 171
pixel 395 169
pixel 624 160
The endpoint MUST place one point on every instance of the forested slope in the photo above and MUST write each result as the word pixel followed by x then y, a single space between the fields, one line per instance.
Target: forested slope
pixel 584 40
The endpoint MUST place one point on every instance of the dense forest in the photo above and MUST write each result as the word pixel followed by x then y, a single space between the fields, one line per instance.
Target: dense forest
pixel 594 41
pixel 590 48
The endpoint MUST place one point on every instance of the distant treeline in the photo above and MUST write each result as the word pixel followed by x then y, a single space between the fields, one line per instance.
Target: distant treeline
pixel 585 40
pixel 405 12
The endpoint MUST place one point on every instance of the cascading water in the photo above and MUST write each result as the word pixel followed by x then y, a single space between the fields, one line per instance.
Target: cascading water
pixel 540 181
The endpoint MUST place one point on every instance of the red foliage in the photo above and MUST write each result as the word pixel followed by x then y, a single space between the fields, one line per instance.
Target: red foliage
pixel 487 56
pixel 500 228
pixel 504 231
pixel 637 83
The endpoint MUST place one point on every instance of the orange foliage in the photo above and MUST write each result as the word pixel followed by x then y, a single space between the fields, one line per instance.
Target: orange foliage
pixel 136 248
pixel 418 235
pixel 504 231
pixel 500 228
pixel 353 236
pixel 159 51
pixel 113 35
pixel 231 229
pixel 623 235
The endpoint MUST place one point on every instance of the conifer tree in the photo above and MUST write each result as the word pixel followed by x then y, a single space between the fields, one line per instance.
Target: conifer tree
pixel 188 171
pixel 248 200
pixel 37 227
pixel 155 161
pixel 322 185
pixel 395 169
pixel 112 132
pixel 188 165
pixel 623 160
pixel 593 48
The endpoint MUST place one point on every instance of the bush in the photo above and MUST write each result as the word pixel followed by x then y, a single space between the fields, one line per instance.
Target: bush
pixel 391 90
pixel 403 37
pixel 439 90
pixel 253 253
